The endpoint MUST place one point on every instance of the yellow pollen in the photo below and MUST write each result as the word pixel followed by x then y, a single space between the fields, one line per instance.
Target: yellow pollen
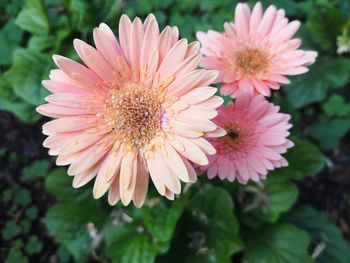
pixel 251 61
pixel 134 113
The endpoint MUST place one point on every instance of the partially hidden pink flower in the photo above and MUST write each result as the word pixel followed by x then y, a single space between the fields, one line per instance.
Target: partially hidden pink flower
pixel 255 141
pixel 138 109
pixel 256 52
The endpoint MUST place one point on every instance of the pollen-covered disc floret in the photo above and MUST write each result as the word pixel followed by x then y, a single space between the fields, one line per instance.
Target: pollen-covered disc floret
pixel 255 52
pixel 139 109
pixel 250 61
pixel 134 113
pixel 255 140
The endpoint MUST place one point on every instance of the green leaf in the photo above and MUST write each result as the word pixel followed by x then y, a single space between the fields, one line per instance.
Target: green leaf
pixel 26 225
pixel 59 184
pixel 187 6
pixel 23 197
pixel 213 209
pixel 210 6
pixel 280 198
pixel 10 37
pixel 327 72
pixel 336 106
pixel 278 243
pixel 330 133
pixel 129 244
pixel 29 68
pixel 32 212
pixel 33 18
pixel 325 24
pixel 40 43
pixel 272 200
pixel 305 159
pixel 67 222
pixel 161 220
pixel 34 245
pixel 328 244
pixel 15 256
pixel 7 195
pixel 81 11
pixel 63 254
pixel 10 230
pixel 11 102
pixel 35 170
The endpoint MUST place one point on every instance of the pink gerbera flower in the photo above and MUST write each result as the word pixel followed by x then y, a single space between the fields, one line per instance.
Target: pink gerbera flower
pixel 255 52
pixel 139 107
pixel 255 139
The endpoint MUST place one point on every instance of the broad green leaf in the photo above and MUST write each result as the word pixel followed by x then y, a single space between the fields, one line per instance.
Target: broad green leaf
pixel 328 244
pixel 63 254
pixel 11 7
pixel 10 37
pixel 327 72
pixel 273 199
pixel 67 220
pixel 160 220
pixel 330 133
pixel 213 211
pixel 33 18
pixel 40 43
pixel 81 11
pixel 129 244
pixel 325 24
pixel 29 68
pixel 68 223
pixel 59 184
pixel 278 243
pixel 305 159
pixel 11 102
pixel 336 106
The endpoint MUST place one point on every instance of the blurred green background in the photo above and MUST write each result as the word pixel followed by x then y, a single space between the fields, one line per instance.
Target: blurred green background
pixel 300 214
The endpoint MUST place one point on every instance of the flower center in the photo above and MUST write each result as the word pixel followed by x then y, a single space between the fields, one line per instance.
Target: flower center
pixel 234 139
pixel 251 61
pixel 134 113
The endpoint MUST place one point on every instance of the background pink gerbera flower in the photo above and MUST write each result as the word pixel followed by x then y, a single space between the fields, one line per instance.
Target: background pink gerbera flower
pixel 256 137
pixel 255 52
pixel 139 107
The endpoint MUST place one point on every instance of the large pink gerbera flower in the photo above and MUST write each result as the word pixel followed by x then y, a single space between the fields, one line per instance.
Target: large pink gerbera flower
pixel 138 108
pixel 255 139
pixel 255 52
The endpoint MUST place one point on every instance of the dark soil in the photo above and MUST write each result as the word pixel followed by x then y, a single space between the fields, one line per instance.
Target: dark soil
pixel 21 145
pixel 330 190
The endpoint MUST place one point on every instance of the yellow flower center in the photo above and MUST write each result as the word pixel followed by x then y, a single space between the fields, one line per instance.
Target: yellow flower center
pixel 134 113
pixel 251 61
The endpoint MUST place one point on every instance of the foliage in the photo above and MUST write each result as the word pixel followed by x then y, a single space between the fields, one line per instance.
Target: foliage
pixel 212 221
pixel 203 223
pixel 328 244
